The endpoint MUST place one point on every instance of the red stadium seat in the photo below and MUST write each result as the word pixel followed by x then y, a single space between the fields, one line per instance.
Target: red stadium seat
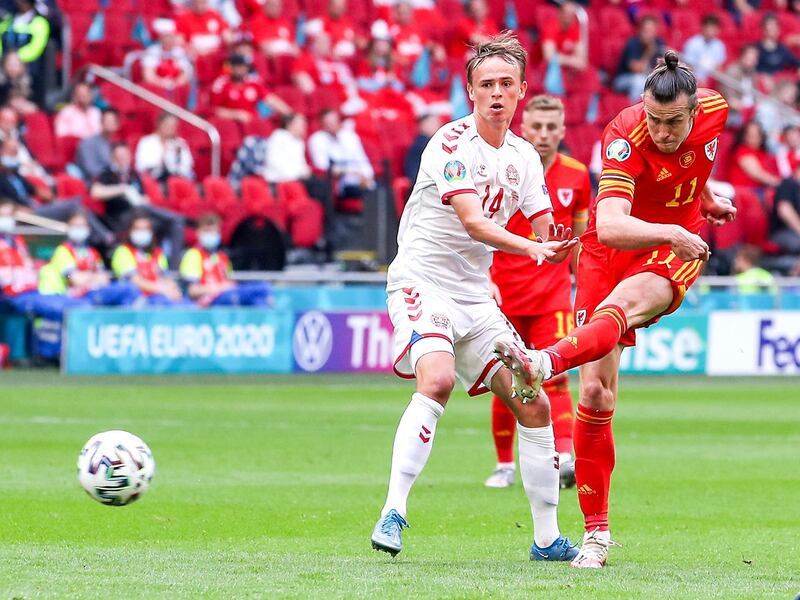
pixel 258 200
pixel 72 187
pixel 183 195
pixel 41 142
pixel 685 24
pixel 220 195
pixel 152 190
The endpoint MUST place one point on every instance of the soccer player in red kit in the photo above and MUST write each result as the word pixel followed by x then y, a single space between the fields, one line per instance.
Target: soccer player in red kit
pixel 538 302
pixel 639 254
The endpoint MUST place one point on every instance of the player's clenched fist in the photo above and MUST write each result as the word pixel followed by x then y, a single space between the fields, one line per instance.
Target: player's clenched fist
pixel 687 246
pixel 718 210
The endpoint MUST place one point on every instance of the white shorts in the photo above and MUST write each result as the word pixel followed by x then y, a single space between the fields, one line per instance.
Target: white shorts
pixel 427 320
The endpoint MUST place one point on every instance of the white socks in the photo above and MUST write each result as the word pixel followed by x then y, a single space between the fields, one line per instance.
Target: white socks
pixel 412 447
pixel 539 470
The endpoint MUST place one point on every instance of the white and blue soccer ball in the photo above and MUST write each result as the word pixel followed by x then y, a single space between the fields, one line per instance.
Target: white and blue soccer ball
pixel 115 467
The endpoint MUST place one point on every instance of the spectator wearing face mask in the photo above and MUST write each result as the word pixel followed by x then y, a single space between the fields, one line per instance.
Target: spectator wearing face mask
pixel 76 270
pixel 40 200
pixel 142 262
pixel 19 291
pixel 206 271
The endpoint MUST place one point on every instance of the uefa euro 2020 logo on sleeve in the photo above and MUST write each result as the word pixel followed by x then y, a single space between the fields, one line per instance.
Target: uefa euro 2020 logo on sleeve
pixel 455 171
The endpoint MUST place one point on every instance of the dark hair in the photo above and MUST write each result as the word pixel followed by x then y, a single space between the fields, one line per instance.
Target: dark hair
pixel 110 110
pixel 163 116
pixel 770 16
pixel 326 111
pixel 287 119
pixel 207 219
pixel 750 253
pixel 670 79
pixel 78 212
pixel 5 201
pixel 137 214
pixel 740 135
pixel 711 19
pixel 116 145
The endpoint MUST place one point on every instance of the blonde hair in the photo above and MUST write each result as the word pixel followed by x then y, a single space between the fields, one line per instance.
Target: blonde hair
pixel 506 46
pixel 544 102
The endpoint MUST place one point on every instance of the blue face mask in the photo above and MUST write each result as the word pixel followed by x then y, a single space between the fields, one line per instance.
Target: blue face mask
pixel 10 162
pixel 7 224
pixel 78 234
pixel 141 238
pixel 209 239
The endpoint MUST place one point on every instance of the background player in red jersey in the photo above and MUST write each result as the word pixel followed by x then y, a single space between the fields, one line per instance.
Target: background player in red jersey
pixel 538 302
pixel 639 254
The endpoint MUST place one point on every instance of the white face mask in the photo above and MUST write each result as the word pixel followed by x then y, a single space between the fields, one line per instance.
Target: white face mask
pixel 209 239
pixel 7 224
pixel 141 238
pixel 78 234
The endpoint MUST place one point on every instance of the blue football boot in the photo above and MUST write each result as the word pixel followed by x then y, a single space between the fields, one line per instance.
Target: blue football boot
pixel 387 535
pixel 561 549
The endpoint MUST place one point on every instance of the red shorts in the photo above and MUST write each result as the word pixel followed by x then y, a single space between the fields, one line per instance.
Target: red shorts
pixel 541 331
pixel 601 268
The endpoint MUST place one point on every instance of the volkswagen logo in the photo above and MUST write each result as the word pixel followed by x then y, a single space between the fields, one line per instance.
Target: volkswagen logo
pixel 312 341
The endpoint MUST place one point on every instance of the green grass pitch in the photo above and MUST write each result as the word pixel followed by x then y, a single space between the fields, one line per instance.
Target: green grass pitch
pixel 269 487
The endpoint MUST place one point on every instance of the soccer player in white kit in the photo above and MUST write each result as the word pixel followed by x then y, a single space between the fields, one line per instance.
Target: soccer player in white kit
pixel 474 175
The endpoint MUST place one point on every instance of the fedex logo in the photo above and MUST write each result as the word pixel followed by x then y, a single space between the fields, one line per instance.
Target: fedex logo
pixel 774 349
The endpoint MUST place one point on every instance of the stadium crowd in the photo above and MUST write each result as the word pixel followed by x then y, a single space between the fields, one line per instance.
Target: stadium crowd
pixel 320 102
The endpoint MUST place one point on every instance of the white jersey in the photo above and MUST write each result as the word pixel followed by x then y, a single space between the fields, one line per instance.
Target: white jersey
pixel 433 246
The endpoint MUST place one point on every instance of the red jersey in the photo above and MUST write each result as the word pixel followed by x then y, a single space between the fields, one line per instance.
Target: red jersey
pixel 409 42
pixel 531 290
pixel 240 95
pixel 465 30
pixel 276 34
pixel 17 271
pixel 564 39
pixel 662 188
pixel 202 32
pixel 340 31
pixel 738 177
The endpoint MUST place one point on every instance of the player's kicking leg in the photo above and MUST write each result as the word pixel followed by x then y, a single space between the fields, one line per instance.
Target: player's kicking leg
pixel 413 440
pixel 538 465
pixel 595 455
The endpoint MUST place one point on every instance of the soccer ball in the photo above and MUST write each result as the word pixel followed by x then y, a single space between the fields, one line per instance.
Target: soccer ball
pixel 115 467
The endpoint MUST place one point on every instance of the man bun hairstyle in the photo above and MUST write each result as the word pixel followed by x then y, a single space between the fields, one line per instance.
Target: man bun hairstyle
pixel 670 79
pixel 506 46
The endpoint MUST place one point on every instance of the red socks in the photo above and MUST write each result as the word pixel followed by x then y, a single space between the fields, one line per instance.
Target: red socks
pixel 591 341
pixel 561 412
pixel 504 424
pixel 594 462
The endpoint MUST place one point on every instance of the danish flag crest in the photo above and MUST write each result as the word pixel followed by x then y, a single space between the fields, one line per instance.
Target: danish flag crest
pixel 711 149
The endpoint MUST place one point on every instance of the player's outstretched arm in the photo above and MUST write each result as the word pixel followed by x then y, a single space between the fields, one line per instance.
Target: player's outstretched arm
pixel 716 209
pixel 618 229
pixel 547 231
pixel 479 228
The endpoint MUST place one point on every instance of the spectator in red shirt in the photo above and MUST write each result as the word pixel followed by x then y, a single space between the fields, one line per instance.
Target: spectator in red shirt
pixel 475 28
pixel 751 165
pixel 272 33
pixel 561 38
pixel 236 95
pixel 339 28
pixel 788 154
pixel 203 30
pixel 409 39
pixel 166 64
pixel 318 71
